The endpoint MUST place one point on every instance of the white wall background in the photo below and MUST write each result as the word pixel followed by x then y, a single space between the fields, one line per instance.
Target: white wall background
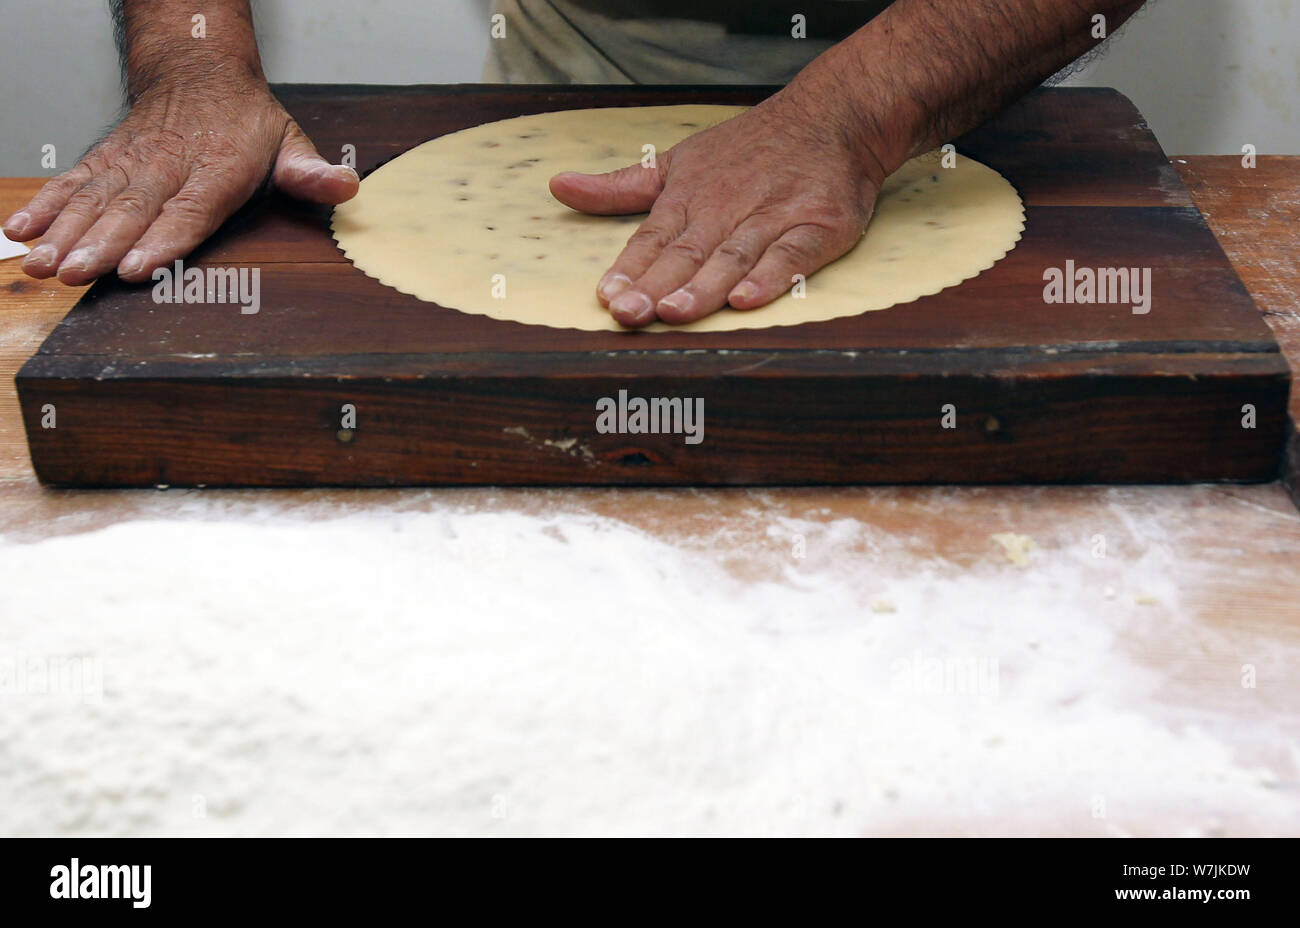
pixel 1210 75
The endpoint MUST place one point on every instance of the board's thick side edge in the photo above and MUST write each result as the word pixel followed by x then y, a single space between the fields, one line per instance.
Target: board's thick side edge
pixel 757 430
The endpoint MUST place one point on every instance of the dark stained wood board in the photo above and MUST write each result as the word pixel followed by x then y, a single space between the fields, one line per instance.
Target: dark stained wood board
pixel 179 394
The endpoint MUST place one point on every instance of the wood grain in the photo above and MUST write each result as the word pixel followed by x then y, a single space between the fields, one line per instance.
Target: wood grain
pixel 201 394
pixel 1255 212
pixel 29 311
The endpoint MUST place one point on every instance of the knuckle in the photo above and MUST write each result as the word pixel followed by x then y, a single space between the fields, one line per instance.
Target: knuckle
pixel 69 181
pixel 816 241
pixel 650 237
pixel 95 162
pixel 90 200
pixel 115 173
pixel 190 208
pixel 92 162
pixel 833 214
pixel 134 201
pixel 737 252
pixel 794 249
pixel 89 192
pixel 688 250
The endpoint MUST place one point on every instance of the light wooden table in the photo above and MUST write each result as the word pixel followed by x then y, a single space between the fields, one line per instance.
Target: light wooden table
pixel 1233 552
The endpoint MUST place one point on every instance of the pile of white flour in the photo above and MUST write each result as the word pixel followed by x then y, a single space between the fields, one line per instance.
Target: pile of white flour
pixel 452 671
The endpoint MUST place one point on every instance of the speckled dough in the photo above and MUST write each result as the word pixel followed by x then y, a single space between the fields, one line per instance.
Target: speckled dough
pixel 441 221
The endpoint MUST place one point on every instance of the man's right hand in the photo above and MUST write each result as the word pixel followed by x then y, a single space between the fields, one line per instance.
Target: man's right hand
pixel 177 166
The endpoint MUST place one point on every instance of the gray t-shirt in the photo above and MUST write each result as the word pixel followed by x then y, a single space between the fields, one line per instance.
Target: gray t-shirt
pixel 667 41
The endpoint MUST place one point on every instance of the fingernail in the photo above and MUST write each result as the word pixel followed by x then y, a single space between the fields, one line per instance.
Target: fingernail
pixel 133 263
pixel 680 301
pixel 349 171
pixel 332 170
pixel 746 291
pixel 17 223
pixel 633 306
pixel 42 254
pixel 612 284
pixel 79 260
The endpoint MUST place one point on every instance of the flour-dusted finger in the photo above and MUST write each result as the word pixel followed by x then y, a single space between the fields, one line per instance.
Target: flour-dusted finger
pixel 661 228
pixel 706 292
pixel 678 262
pixel 120 226
pixel 185 220
pixel 33 219
pixel 801 250
pixel 78 214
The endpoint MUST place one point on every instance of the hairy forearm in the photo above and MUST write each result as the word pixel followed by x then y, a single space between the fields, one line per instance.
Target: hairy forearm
pixel 925 71
pixel 160 49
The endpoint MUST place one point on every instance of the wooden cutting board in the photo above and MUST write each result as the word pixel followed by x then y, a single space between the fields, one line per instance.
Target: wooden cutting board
pixel 148 394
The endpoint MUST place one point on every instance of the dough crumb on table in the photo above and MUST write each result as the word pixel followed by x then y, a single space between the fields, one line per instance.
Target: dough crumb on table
pixel 1017 548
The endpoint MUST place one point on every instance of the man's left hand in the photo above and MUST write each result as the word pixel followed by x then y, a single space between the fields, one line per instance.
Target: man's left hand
pixel 736 211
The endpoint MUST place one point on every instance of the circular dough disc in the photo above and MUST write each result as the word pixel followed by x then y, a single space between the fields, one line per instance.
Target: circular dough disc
pixel 467 221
